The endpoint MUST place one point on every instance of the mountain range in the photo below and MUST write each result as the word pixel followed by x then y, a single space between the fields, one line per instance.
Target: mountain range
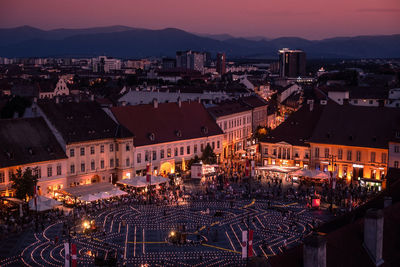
pixel 128 42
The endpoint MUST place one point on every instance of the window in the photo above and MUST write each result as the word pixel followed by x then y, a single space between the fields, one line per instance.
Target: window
pixel 154 155
pixel 117 162
pixel 195 149
pixel 212 144
pixel 102 164
pixel 127 162
pixel 217 144
pixel 82 167
pixel 244 120
pixel 92 165
pixel 358 156
pixel 72 152
pixel 127 147
pixel 161 153
pixel 146 156
pixel 169 152
pixel 72 168
pixel 396 149
pixel 225 125
pixel 49 171
pixel 188 150
pixel 111 147
pixel 2 177
pixel 111 163
pixel 396 164
pixel 58 169
pixel 116 147
pixel 176 152
pixel 340 153
pixel 383 158
pixel 274 153
pixel 266 151
pixel 91 150
pixel 348 154
pixel 326 152
pixel 181 150
pixel 102 149
pixel 82 151
pixel 372 156
pixel 139 158
pixel 317 152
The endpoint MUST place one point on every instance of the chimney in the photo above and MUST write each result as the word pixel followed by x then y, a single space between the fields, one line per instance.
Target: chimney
pixel 373 235
pixel 155 103
pixel 123 103
pixel 314 251
pixel 179 102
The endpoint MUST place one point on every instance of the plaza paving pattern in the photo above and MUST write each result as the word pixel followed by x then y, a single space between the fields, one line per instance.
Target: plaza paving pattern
pixel 142 239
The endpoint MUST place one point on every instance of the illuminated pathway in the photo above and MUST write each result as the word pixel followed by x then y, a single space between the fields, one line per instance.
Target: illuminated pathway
pixel 138 233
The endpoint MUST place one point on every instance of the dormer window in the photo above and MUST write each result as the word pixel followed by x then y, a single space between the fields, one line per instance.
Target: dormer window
pixel 178 133
pixel 152 137
pixel 30 151
pixel 204 129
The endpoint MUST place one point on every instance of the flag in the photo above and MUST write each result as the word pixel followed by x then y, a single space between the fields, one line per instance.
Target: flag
pixel 250 243
pixel 148 174
pixel 66 254
pixel 244 244
pixel 74 257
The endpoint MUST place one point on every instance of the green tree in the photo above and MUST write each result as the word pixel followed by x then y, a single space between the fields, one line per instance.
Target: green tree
pixel 24 183
pixel 196 159
pixel 209 156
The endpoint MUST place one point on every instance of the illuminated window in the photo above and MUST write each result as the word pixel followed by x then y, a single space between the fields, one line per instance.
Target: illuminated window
pixel 169 152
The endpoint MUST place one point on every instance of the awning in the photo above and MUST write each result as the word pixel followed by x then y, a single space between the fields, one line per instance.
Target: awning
pixel 275 168
pixel 43 203
pixel 141 181
pixel 82 190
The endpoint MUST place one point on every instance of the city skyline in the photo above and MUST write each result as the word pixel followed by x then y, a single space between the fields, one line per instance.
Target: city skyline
pixel 313 20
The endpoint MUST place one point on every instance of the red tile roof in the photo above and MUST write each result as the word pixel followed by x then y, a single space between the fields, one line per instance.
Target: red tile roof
pixel 168 122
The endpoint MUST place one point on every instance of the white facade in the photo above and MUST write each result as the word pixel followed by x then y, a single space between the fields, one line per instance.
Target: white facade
pixel 60 89
pixel 105 64
pixel 237 129
pixel 338 96
pixel 288 92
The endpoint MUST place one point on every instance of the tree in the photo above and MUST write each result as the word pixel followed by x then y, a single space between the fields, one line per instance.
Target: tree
pixel 209 156
pixel 24 183
pixel 196 159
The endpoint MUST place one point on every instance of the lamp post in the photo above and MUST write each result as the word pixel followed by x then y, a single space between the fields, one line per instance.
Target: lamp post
pixel 332 162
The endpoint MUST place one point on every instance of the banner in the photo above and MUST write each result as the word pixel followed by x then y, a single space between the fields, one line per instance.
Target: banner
pixel 148 174
pixel 250 243
pixel 66 254
pixel 244 244
pixel 74 257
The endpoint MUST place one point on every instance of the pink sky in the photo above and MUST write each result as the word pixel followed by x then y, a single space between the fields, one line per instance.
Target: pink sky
pixel 312 19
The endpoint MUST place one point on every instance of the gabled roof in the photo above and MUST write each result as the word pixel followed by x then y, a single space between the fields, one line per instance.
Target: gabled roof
pixel 298 128
pixel 357 126
pixel 26 141
pixel 228 108
pixel 83 121
pixel 166 123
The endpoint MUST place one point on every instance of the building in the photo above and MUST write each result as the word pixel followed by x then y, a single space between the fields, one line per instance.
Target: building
pixel 292 63
pixel 234 118
pixel 354 141
pixel 287 144
pixel 103 64
pixel 190 60
pixel 168 63
pixel 29 143
pixel 47 90
pixel 97 147
pixel 259 109
pixel 221 65
pixel 168 135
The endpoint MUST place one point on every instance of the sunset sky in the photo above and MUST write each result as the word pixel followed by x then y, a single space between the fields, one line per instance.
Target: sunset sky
pixel 312 19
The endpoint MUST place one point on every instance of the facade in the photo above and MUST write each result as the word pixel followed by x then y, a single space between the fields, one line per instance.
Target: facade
pixel 105 64
pixel 96 146
pixel 61 89
pixel 235 120
pixel 38 150
pixel 221 63
pixel 259 111
pixel 292 63
pixel 167 135
pixel 354 141
pixel 190 60
pixel 394 153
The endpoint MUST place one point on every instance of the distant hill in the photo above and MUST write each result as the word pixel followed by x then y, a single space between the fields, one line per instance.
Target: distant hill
pixel 127 42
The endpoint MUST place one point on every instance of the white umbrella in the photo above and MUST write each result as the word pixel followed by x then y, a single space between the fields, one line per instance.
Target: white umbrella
pixel 89 198
pixel 103 195
pixel 117 192
pixel 319 174
pixel 135 182
pixel 155 180
pixel 302 172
